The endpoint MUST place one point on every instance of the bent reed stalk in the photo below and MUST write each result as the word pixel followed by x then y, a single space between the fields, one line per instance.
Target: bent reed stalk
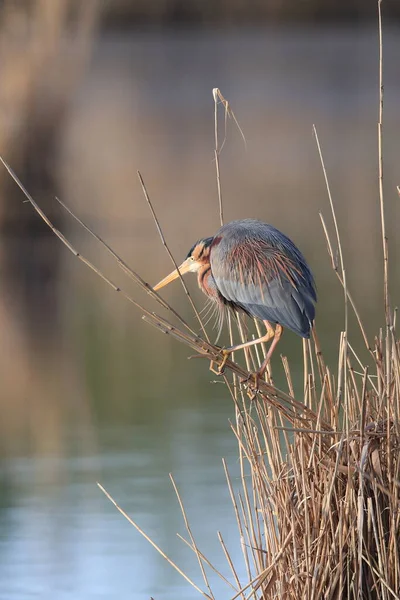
pixel 318 506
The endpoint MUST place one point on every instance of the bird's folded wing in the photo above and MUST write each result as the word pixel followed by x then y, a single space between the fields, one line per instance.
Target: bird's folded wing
pixel 266 283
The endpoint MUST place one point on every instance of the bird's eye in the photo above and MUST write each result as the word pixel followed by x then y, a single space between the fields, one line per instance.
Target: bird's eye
pixel 192 258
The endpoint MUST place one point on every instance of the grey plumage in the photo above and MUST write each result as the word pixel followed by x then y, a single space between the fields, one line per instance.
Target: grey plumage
pixel 259 270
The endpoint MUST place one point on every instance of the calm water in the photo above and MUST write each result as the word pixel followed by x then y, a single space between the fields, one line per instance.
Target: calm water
pixel 104 397
pixel 61 538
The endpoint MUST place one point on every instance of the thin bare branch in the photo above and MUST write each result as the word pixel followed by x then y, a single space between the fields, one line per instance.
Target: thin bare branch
pixel 136 526
pixel 196 312
pixel 216 156
pixel 70 247
pixel 209 563
pixel 328 189
pixel 380 175
pixel 188 529
pixel 125 268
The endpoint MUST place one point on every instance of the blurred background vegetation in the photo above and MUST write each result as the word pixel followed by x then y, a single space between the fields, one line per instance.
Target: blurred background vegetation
pixel 90 92
pixel 239 12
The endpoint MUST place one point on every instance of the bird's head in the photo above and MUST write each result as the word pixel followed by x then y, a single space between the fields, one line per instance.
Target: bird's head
pixel 198 255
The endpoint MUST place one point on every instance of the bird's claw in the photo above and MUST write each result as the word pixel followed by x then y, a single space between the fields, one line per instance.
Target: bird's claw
pixel 252 388
pixel 215 371
pixel 221 367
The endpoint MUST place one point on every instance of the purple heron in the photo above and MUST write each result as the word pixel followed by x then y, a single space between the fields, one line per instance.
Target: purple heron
pixel 252 267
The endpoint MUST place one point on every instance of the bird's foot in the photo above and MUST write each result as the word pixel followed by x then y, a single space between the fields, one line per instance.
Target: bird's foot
pixel 226 353
pixel 251 382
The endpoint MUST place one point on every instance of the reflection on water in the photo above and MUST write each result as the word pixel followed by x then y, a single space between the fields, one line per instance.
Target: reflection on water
pixel 109 399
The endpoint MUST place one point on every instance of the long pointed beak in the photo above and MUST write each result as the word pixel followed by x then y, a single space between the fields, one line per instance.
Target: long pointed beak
pixel 183 268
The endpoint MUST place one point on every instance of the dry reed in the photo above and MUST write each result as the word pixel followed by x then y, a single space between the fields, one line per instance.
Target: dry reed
pixel 318 509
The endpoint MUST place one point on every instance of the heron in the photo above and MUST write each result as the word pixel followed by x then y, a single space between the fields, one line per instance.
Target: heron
pixel 251 267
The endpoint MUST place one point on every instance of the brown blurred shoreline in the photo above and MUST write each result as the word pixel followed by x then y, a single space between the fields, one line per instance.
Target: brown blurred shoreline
pixel 122 14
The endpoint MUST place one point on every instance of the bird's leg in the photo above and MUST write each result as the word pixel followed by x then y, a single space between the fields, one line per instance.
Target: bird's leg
pixel 258 374
pixel 265 338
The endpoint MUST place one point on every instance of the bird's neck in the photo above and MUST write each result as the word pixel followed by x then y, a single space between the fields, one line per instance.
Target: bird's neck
pixel 206 281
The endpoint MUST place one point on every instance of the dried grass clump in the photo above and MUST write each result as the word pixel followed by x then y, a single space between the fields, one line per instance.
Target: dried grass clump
pixel 317 506
pixel 320 495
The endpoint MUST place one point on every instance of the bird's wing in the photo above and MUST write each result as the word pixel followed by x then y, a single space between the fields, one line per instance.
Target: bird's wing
pixel 266 282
